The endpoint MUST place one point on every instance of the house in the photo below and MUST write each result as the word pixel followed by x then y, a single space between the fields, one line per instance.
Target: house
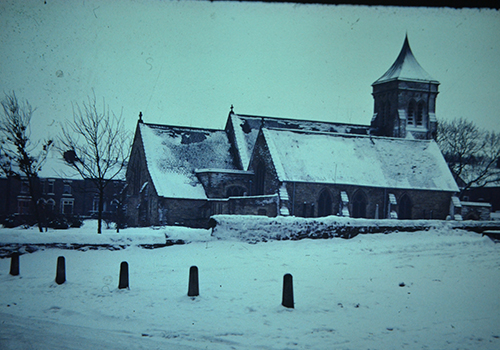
pixel 271 166
pixel 63 195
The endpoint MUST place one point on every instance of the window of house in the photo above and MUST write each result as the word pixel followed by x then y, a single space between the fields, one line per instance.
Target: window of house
pixel 50 186
pixel 25 187
pixel 67 189
pixel 67 206
pixel 411 113
pixel 50 206
pixel 23 206
pixel 325 203
pixel 42 186
pixel 359 205
pixel 235 191
pixel 95 204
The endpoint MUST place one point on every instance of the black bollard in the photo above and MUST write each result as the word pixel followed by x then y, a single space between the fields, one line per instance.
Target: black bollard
pixel 193 289
pixel 14 264
pixel 287 291
pixel 61 270
pixel 123 276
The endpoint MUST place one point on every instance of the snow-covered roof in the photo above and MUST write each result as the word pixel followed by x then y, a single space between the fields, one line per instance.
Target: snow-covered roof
pixel 405 67
pixel 246 130
pixel 173 154
pixel 331 158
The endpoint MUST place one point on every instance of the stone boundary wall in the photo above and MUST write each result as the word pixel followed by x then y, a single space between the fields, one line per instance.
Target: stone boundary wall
pixel 292 228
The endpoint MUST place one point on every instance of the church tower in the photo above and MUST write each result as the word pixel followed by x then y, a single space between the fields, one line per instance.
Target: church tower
pixel 405 100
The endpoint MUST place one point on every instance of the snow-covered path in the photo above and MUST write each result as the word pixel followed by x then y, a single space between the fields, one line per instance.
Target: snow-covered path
pixel 347 295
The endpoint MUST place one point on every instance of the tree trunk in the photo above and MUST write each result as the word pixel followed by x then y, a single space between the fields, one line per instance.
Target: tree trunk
pixel 101 209
pixel 34 199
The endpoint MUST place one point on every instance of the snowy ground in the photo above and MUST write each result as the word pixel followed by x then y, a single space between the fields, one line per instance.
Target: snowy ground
pixel 347 293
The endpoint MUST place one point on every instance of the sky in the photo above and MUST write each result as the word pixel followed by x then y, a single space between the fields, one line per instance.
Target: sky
pixel 187 62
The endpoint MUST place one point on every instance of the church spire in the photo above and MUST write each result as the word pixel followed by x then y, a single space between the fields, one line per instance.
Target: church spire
pixel 405 67
pixel 405 99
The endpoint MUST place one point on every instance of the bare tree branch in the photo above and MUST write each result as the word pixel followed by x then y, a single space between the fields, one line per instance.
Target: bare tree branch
pixel 473 155
pixel 96 144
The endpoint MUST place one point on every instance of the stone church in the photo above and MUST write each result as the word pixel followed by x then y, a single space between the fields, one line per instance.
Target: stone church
pixel 270 166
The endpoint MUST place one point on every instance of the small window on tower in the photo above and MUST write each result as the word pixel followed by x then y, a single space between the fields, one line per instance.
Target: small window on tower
pixel 411 113
pixel 420 114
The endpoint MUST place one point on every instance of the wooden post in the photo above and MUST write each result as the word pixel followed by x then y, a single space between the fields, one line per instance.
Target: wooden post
pixel 14 264
pixel 193 289
pixel 61 270
pixel 123 276
pixel 288 291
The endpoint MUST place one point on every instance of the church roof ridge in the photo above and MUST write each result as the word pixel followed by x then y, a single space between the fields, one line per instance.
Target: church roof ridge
pixel 406 67
pixel 183 127
pixel 301 120
pixel 350 135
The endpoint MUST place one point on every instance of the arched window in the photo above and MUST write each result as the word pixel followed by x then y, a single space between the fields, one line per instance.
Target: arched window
pixel 235 191
pixel 384 109
pixel 405 207
pixel 51 204
pixel 381 112
pixel 420 114
pixel 387 113
pixel 359 205
pixel 260 175
pixel 325 203
pixel 411 113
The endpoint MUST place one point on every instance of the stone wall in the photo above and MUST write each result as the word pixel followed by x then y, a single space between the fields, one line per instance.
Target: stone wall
pixel 151 210
pixel 425 204
pixel 476 211
pixel 266 205
pixel 183 212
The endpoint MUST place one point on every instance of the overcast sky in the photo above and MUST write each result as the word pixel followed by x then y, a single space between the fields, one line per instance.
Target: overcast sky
pixel 186 62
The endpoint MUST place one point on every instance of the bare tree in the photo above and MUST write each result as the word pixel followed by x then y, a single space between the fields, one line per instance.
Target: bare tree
pixel 19 155
pixel 96 145
pixel 472 154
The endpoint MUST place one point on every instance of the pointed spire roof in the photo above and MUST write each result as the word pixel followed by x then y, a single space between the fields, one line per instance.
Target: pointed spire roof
pixel 405 67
